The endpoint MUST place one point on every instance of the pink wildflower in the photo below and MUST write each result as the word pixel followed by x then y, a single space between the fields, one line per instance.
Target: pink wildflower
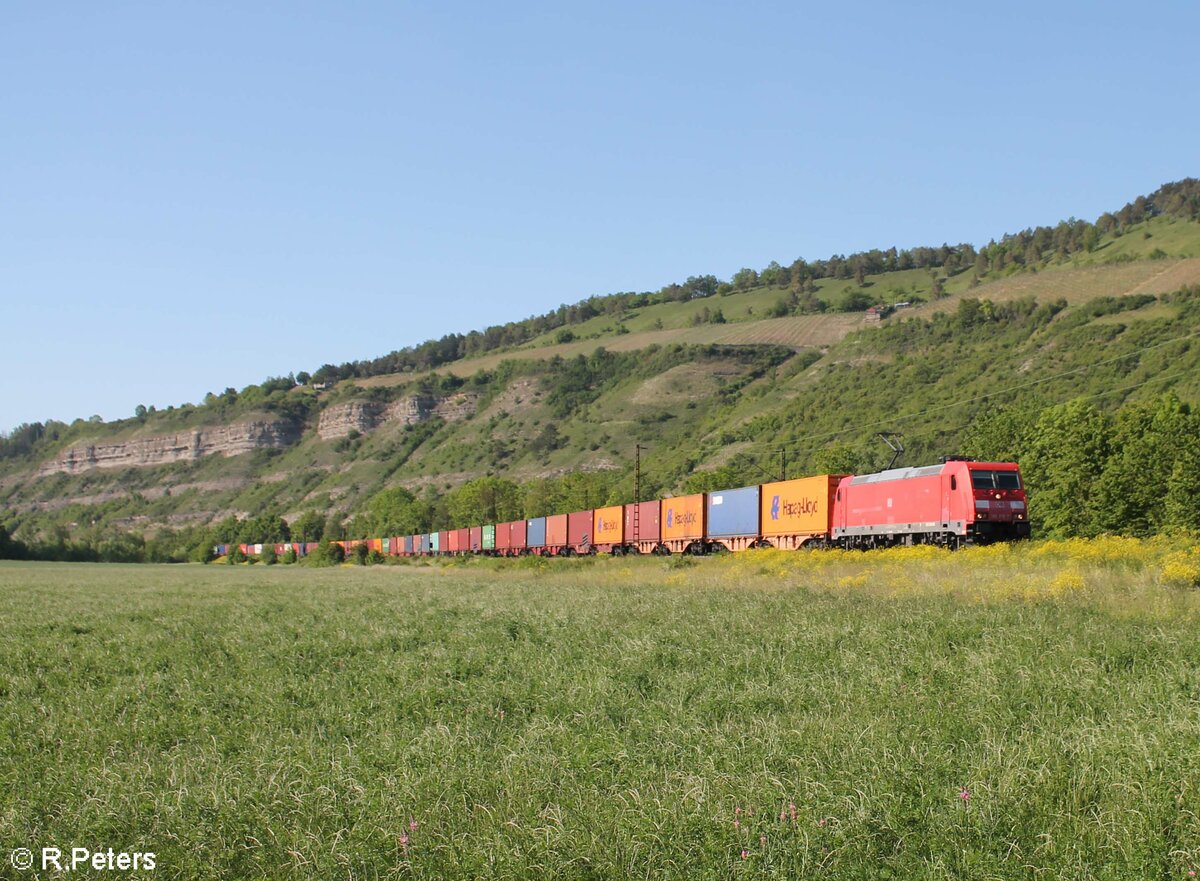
pixel 737 812
pixel 403 840
pixel 964 794
pixel 412 825
pixel 821 822
pixel 792 809
pixel 745 853
pixel 737 825
pixel 782 815
pixel 1191 873
pixel 762 839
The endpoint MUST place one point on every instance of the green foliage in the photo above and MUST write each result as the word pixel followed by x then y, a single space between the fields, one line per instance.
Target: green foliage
pixel 361 554
pixel 328 553
pixel 397 511
pixel 268 556
pixel 483 500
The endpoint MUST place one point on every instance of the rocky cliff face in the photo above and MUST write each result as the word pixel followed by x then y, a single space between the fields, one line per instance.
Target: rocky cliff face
pixel 223 440
pixel 363 416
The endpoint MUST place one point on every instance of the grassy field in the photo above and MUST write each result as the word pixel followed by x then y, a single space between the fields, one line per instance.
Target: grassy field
pixel 990 714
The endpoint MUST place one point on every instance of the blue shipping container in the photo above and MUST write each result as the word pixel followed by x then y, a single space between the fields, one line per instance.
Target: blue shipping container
pixel 535 533
pixel 422 544
pixel 733 512
pixel 408 544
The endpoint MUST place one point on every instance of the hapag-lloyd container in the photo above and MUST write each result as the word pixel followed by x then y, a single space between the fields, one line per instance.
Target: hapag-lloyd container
pixel 798 511
pixel 489 537
pixel 476 538
pixel 608 526
pixel 683 519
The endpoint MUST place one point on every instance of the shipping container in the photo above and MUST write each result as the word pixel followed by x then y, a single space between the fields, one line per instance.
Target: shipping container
pixel 516 539
pixel 733 518
pixel 489 537
pixel 683 524
pixel 798 512
pixel 435 542
pixel 608 529
pixel 444 541
pixel 463 540
pixel 503 538
pixel 453 544
pixel 579 532
pixel 535 533
pixel 642 534
pixel 556 533
pixel 476 539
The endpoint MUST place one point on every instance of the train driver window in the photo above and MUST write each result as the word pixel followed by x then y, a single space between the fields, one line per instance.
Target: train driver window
pixel 953 483
pixel 982 480
pixel 1008 480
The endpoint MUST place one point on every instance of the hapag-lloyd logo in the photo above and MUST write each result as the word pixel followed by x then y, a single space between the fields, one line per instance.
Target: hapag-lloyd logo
pixel 603 525
pixel 790 508
pixel 687 518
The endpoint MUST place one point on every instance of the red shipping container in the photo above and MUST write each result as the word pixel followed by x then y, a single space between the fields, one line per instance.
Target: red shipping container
pixel 556 532
pixel 444 541
pixel 579 532
pixel 645 534
pixel 475 541
pixel 463 539
pixel 453 545
pixel 503 537
pixel 517 537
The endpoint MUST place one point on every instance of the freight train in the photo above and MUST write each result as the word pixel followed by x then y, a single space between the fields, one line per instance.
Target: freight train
pixel 959 501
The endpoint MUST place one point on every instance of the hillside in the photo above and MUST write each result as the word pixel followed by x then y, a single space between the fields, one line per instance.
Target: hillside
pixel 717 402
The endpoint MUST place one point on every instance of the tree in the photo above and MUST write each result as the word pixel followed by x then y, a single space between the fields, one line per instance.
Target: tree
pixel 484 500
pixel 1066 455
pixel 395 511
pixel 309 526
pixel 268 555
pixel 328 553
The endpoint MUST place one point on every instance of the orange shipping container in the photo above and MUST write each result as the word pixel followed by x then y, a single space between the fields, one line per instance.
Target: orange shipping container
pixel 683 518
pixel 608 525
pixel 798 507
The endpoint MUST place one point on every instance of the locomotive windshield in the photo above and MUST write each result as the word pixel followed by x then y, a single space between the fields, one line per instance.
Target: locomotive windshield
pixel 995 479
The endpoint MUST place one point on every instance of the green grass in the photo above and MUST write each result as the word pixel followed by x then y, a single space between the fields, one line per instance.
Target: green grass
pixel 607 719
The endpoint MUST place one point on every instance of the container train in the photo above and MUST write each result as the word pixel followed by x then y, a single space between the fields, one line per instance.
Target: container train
pixel 959 501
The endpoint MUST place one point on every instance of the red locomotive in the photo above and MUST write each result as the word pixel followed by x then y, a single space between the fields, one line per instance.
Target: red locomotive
pixel 958 502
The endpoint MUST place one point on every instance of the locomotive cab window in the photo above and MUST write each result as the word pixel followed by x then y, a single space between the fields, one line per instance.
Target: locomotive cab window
pixel 983 480
pixel 1008 480
pixel 995 480
pixel 953 482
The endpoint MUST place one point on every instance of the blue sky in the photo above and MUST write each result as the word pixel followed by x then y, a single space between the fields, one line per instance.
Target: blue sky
pixel 200 196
